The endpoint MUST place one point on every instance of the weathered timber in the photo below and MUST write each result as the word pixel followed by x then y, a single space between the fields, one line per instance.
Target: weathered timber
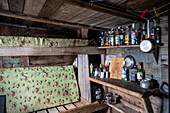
pixel 87 108
pixel 47 51
pixel 46 21
pixel 83 81
pixel 43 111
pixel 49 8
pixel 136 108
pixel 63 11
pixel 16 5
pixel 121 108
pixel 52 110
pixel 4 5
pixel 61 60
pixel 78 104
pixel 147 105
pixel 70 106
pixel 61 108
pixel 33 7
pixel 97 7
pixel 126 87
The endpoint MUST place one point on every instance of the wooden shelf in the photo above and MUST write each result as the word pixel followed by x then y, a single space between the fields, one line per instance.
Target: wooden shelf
pixel 122 108
pixel 125 87
pixel 124 46
pixel 47 51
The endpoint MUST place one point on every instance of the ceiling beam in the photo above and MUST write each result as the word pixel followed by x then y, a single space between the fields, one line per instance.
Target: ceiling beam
pixel 105 9
pixel 47 21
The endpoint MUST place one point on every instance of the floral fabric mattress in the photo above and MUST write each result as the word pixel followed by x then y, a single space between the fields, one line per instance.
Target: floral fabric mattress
pixel 34 88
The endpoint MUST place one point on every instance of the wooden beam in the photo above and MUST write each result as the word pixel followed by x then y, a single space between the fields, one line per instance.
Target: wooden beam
pixel 47 21
pixel 44 51
pixel 104 9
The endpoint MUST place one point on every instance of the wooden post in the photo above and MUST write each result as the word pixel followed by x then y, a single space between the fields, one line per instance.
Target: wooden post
pixel 83 77
pixel 82 33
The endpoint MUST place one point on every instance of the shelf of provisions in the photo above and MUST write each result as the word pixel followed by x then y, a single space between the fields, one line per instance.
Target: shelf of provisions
pixel 123 46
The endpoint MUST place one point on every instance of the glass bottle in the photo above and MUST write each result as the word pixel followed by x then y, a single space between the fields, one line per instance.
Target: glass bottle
pixel 127 36
pixel 117 37
pixel 133 74
pixel 158 34
pixel 140 73
pixel 143 32
pixel 122 38
pixel 133 35
pixel 106 38
pixel 153 30
pixel 102 39
pixel 124 72
pixel 112 37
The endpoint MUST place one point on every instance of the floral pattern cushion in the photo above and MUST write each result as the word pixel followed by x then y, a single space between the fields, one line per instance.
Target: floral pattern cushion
pixel 19 41
pixel 34 88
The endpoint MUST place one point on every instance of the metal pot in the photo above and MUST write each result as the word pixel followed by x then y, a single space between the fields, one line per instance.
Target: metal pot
pixel 145 84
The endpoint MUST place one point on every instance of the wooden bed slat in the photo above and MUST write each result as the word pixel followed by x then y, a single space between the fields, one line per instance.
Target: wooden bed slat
pixel 61 108
pixel 43 111
pixel 78 104
pixel 70 106
pixel 53 110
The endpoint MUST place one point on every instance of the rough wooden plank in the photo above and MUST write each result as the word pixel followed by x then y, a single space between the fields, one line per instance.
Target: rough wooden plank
pixel 50 7
pixel 43 111
pixel 126 87
pixel 147 105
pixel 87 108
pixel 63 11
pixel 61 108
pixel 33 7
pixel 42 51
pixel 16 5
pixel 70 106
pixel 83 81
pixel 4 5
pixel 52 110
pixel 81 16
pixel 78 104
pixel 99 8
pixel 122 109
pixel 47 21
pixel 136 108
pixel 73 13
pixel 52 60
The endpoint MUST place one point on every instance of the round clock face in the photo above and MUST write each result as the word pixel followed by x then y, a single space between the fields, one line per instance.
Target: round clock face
pixel 130 61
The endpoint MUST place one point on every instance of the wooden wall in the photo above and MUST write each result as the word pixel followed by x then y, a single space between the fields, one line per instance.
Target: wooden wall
pixel 18 30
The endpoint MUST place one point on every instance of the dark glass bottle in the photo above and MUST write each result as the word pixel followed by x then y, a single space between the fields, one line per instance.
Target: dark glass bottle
pixel 133 74
pixel 122 38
